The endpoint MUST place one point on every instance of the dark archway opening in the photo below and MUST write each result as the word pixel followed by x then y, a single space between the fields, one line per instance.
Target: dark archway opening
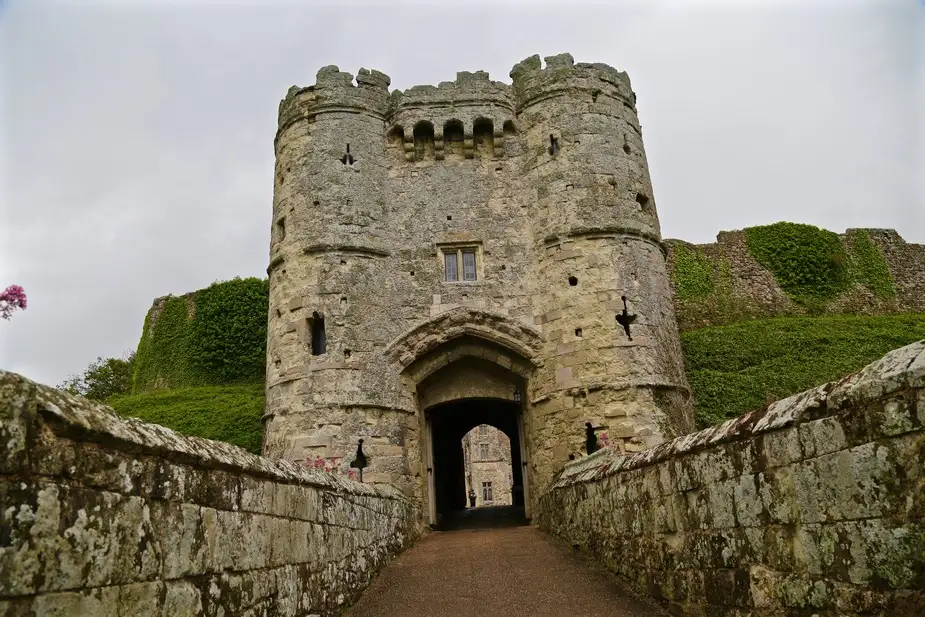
pixel 450 422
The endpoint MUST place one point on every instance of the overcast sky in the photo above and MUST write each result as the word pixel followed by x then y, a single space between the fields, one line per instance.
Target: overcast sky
pixel 136 138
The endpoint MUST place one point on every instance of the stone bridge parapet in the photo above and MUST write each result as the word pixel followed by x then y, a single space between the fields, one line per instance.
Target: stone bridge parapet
pixel 813 505
pixel 111 517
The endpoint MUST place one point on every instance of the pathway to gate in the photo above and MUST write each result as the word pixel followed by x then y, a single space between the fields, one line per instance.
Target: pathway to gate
pixel 509 572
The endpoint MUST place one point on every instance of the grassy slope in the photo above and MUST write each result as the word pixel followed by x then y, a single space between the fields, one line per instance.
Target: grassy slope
pixel 224 413
pixel 734 369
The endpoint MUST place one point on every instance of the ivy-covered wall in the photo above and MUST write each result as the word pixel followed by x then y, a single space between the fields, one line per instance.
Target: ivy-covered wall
pixel 214 336
pixel 217 335
pixel 790 269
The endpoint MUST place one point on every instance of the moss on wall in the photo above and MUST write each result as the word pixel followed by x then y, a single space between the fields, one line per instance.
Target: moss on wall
pixel 868 266
pixel 809 263
pixel 216 336
pixel 693 274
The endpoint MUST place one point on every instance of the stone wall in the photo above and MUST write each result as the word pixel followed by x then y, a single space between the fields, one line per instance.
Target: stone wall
pixel 110 517
pixel 812 506
pixel 744 289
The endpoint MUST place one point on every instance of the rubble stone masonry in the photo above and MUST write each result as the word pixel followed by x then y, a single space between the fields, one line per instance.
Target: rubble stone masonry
pixel 747 290
pixel 545 182
pixel 812 506
pixel 112 517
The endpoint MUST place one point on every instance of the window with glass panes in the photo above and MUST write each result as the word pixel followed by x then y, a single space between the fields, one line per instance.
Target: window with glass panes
pixel 459 264
pixel 486 492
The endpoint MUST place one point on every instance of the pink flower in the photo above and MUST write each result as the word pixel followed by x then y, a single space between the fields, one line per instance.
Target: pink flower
pixel 12 298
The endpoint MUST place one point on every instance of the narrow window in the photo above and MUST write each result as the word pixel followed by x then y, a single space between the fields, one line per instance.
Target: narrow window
pixel 553 145
pixel 483 451
pixel 319 341
pixel 347 159
pixel 486 492
pixel 450 268
pixel 483 429
pixel 281 229
pixel 468 265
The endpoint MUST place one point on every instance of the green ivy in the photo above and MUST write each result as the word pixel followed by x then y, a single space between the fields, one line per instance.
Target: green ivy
pixel 224 413
pixel 693 275
pixel 809 263
pixel 869 267
pixel 216 336
pixel 736 368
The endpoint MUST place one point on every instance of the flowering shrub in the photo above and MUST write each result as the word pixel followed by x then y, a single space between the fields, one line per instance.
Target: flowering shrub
pixel 603 441
pixel 328 465
pixel 12 298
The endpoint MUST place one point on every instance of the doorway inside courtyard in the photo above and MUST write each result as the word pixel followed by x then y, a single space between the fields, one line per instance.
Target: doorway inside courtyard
pixel 476 451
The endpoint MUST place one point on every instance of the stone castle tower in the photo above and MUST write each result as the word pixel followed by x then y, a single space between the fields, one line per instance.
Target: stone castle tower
pixel 457 255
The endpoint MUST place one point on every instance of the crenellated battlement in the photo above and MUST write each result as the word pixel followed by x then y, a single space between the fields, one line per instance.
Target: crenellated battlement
pixel 471 96
pixel 336 91
pixel 533 82
pixel 468 89
pixel 464 116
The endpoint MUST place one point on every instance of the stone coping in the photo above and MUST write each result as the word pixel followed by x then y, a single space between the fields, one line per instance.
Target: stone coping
pixel 80 419
pixel 899 369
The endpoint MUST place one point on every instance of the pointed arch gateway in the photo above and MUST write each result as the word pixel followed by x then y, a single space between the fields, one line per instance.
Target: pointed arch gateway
pixel 464 368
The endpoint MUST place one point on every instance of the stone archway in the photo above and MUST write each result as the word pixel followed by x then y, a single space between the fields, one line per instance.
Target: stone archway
pixel 463 368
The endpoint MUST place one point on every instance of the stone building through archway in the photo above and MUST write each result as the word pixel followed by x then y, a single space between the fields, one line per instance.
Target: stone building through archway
pixel 469 382
pixel 488 472
pixel 448 424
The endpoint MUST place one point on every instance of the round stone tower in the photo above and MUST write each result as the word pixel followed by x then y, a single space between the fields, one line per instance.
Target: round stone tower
pixel 328 269
pixel 597 252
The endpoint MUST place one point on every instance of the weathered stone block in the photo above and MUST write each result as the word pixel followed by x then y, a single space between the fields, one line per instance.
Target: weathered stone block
pixel 821 436
pixel 894 417
pixel 182 599
pixel 748 505
pixel 141 599
pixel 17 413
pixel 102 602
pixel 780 447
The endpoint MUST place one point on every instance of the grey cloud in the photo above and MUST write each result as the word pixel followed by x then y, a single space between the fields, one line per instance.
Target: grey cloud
pixel 138 139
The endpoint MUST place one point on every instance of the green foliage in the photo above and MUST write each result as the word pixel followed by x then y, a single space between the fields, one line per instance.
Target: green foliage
pixel 734 369
pixel 869 267
pixel 218 336
pixel 809 263
pixel 229 331
pixel 102 379
pixel 224 413
pixel 703 285
pixel 693 274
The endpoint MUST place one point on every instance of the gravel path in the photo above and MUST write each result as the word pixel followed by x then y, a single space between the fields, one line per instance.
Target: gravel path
pixel 511 572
